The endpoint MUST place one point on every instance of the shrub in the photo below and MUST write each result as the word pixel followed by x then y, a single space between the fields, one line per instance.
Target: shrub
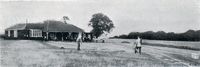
pixel 2 36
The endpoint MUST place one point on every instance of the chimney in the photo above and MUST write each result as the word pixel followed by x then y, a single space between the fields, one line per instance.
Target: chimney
pixel 65 18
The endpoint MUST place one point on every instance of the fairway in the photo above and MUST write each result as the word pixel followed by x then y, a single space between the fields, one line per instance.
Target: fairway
pixel 31 53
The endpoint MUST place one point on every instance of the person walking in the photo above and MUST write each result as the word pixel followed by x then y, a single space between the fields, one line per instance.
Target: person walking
pixel 79 41
pixel 138 45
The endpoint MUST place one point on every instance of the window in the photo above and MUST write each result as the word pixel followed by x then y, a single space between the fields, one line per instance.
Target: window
pixel 36 33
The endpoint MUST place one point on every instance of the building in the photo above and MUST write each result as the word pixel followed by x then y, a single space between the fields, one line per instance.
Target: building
pixel 48 30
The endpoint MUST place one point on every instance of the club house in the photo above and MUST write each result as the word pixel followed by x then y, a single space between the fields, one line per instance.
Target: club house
pixel 48 30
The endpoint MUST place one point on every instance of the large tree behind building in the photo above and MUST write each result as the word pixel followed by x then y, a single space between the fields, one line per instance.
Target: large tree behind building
pixel 101 24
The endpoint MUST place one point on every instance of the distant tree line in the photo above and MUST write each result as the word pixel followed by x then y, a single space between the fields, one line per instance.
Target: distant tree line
pixel 190 35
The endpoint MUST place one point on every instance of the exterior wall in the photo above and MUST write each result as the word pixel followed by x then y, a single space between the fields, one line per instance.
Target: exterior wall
pixel 11 33
pixel 22 34
pixel 35 33
pixel 40 35
pixel 15 33
pixel 52 36
pixel 60 36
pixel 6 33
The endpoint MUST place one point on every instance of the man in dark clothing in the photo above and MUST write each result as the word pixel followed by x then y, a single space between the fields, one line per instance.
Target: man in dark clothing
pixel 79 41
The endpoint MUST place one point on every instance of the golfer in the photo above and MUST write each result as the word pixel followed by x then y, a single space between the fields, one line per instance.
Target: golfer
pixel 79 41
pixel 138 45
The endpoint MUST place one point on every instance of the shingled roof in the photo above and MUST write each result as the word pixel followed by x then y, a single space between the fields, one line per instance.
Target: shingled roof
pixel 58 26
pixel 34 26
pixel 17 27
pixel 50 26
pixel 23 26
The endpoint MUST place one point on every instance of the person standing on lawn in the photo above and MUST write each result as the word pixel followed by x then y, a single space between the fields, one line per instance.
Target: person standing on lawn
pixel 79 41
pixel 138 45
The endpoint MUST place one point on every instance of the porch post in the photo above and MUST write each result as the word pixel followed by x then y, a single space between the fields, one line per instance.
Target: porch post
pixel 47 35
pixel 15 33
pixel 55 34
pixel 62 35
pixel 70 35
pixel 8 33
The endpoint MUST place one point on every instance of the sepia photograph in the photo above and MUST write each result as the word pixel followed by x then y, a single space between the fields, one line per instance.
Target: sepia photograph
pixel 100 33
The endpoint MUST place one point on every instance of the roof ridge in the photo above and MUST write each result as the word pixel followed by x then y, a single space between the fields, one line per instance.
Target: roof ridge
pixel 15 26
pixel 53 26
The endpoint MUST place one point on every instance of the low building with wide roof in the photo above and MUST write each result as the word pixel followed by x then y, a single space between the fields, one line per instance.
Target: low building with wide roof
pixel 48 30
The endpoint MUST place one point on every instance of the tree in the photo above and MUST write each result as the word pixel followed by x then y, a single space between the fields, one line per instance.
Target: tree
pixel 124 36
pixel 171 36
pixel 101 24
pixel 190 35
pixel 197 38
pixel 147 35
pixel 160 35
pixel 133 35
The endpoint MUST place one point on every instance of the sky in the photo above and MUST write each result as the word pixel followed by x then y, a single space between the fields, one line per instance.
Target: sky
pixel 127 15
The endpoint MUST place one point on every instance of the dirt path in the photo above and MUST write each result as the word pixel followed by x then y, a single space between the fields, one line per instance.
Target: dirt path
pixel 170 56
